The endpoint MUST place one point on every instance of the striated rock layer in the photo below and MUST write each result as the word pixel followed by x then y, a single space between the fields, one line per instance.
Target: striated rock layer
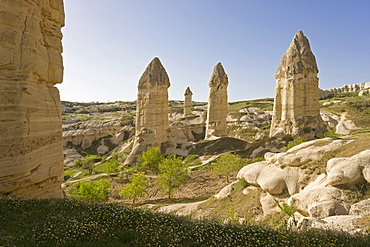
pixel 31 153
pixel 216 125
pixel 187 102
pixel 152 109
pixel 296 106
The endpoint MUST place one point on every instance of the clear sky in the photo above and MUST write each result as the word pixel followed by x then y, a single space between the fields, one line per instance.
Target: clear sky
pixel 108 44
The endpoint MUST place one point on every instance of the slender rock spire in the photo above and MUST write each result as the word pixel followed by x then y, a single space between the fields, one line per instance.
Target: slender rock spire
pixel 217 103
pixel 187 102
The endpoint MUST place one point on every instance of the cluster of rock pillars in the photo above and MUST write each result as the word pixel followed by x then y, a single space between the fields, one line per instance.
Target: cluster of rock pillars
pixel 31 153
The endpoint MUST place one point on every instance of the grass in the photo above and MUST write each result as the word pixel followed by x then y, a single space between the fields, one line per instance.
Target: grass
pixel 57 222
pixel 358 108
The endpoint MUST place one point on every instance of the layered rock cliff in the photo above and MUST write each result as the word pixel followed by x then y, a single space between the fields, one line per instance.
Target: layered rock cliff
pixel 31 153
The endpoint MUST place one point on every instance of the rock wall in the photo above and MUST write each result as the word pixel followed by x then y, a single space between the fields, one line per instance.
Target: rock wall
pixel 31 153
pixel 296 107
pixel 187 102
pixel 327 93
pixel 216 125
pixel 152 125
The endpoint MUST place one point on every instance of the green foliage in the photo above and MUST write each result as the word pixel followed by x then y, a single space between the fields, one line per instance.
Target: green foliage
pixel 84 117
pixel 226 164
pixel 88 162
pixel 135 189
pixel 150 159
pixel 241 184
pixel 111 166
pixel 57 222
pixel 172 174
pixel 93 191
pixel 294 143
pixel 285 208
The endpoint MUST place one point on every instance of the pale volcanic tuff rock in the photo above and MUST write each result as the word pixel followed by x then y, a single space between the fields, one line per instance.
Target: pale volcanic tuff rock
pixel 216 125
pixel 187 102
pixel 296 107
pixel 31 152
pixel 152 109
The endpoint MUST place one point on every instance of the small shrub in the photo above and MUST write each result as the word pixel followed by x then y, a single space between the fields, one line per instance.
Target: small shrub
pixel 111 166
pixel 241 184
pixel 294 143
pixel 135 189
pixel 226 164
pixel 150 159
pixel 83 117
pixel 93 191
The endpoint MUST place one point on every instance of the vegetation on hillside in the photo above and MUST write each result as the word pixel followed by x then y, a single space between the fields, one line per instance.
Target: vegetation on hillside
pixel 55 222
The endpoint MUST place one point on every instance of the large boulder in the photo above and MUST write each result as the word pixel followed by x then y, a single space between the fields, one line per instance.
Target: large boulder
pixel 349 170
pixel 321 202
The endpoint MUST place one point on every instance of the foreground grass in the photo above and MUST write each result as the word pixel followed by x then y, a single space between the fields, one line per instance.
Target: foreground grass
pixel 56 222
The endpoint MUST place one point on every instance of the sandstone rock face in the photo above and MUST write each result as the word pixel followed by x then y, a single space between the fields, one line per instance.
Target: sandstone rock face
pixel 31 152
pixel 217 103
pixel 187 102
pixel 152 109
pixel 296 107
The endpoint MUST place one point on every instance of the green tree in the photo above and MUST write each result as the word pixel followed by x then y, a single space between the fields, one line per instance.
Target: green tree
pixel 111 166
pixel 227 164
pixel 135 189
pixel 88 162
pixel 150 159
pixel 172 174
pixel 93 191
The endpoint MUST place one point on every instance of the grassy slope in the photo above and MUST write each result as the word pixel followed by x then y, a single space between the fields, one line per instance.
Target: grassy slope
pixel 73 223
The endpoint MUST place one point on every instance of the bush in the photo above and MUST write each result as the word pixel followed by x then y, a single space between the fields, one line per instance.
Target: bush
pixel 93 191
pixel 150 159
pixel 83 117
pixel 111 166
pixel 225 165
pixel 294 143
pixel 135 189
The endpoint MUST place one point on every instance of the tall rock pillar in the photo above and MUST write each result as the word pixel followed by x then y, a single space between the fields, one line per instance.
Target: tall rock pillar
pixel 216 125
pixel 151 110
pixel 187 102
pixel 296 107
pixel 31 151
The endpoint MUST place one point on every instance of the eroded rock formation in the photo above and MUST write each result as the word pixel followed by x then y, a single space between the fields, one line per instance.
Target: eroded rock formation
pixel 152 109
pixel 187 102
pixel 296 107
pixel 31 153
pixel 216 125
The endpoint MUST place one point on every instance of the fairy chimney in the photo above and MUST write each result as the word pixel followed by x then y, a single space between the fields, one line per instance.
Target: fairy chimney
pixel 152 109
pixel 296 107
pixel 217 103
pixel 31 151
pixel 187 102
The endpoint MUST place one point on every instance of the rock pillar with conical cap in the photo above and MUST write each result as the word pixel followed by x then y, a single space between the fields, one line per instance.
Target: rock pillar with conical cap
pixel 296 107
pixel 216 125
pixel 151 110
pixel 187 102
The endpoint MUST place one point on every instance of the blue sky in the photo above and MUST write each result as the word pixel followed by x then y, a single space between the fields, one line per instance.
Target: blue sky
pixel 108 44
